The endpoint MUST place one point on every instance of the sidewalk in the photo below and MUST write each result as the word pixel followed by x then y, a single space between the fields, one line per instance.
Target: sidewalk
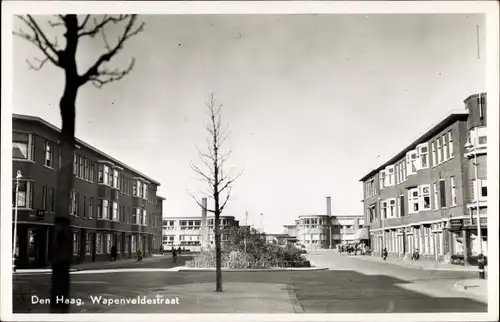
pixel 202 298
pixel 476 287
pixel 93 265
pixel 420 264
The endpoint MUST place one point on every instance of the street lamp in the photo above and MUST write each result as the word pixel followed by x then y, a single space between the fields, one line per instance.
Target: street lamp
pixel 469 146
pixel 18 176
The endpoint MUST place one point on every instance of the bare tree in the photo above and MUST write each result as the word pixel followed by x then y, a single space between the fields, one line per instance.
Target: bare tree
pixel 219 180
pixel 65 58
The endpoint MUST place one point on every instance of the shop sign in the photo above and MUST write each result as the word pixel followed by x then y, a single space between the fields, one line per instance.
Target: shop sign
pixel 456 223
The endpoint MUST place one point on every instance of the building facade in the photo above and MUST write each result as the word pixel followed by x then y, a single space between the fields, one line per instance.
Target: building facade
pixel 111 203
pixel 425 197
pixel 325 231
pixel 188 232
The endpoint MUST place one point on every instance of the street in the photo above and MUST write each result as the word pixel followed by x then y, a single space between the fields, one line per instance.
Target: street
pixel 351 285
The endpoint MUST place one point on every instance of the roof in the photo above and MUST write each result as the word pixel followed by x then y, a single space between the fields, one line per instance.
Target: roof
pixel 474 96
pixel 81 143
pixel 450 118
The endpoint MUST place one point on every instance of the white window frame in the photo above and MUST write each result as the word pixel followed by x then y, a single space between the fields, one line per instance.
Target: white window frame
pixel 98 243
pixel 144 217
pixel 411 159
pixel 391 208
pixel 30 153
pixel 145 191
pixel 438 150
pixel 104 209
pixel 88 243
pixel 138 218
pixel 48 155
pixel 115 178
pixel 450 143
pixel 114 210
pixel 109 243
pixel 422 195
pixel 453 191
pixel 436 196
pixel 381 176
pixel 423 154
pixel 413 199
pixel 133 244
pixel 482 183
pixel 444 139
pixel 434 155
pixel 389 170
pixel 28 194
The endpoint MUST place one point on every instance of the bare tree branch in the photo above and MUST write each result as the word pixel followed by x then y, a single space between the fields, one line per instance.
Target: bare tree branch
pixel 196 169
pixel 40 40
pixel 228 196
pixel 85 20
pixel 41 62
pixel 199 203
pixel 103 76
pixel 101 24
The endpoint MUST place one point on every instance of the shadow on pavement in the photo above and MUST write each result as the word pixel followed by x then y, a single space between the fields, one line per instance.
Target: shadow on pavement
pixel 317 291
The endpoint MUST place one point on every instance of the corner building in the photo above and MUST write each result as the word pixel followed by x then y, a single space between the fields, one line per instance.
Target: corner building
pixel 111 203
pixel 425 197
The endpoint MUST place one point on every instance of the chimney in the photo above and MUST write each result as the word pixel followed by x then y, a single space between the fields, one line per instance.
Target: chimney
pixel 328 206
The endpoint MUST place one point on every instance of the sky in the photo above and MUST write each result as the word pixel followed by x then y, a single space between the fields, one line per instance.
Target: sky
pixel 311 100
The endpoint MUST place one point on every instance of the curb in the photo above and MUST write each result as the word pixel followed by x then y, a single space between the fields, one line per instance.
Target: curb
pixel 37 271
pixel 201 269
pixel 422 267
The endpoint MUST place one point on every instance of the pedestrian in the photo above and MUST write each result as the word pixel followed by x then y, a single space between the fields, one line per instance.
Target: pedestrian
pixel 174 255
pixel 114 253
pixel 179 250
pixel 415 255
pixel 384 253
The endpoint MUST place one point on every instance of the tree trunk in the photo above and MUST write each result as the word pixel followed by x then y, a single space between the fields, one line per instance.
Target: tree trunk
pixel 62 247
pixel 218 252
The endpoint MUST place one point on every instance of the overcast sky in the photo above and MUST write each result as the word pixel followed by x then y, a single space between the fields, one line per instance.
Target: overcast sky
pixel 311 100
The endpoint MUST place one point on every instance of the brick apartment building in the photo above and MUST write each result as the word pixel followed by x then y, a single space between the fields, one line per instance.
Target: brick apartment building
pixel 111 204
pixel 425 197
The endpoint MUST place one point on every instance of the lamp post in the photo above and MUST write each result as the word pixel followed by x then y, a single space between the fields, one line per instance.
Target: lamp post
pixel 469 146
pixel 245 231
pixel 382 223
pixel 18 176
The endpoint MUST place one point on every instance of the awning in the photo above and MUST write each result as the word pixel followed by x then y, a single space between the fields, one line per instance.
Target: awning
pixel 362 234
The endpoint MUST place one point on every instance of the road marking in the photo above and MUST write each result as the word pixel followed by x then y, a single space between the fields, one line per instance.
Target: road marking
pixel 126 270
pixel 88 282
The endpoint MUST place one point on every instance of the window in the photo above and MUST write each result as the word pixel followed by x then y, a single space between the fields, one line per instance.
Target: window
pixel 392 208
pixel 481 136
pixel 91 208
pixel 115 211
pixel 92 172
pixel 76 243
pixel 84 207
pixel 98 243
pixel 86 175
pixel 423 152
pixel 145 191
pixel 384 210
pixel 434 160
pixel 104 174
pixel 115 178
pixel 446 155
pixel 389 175
pixel 51 198
pixel 75 164
pixel 450 144
pixel 402 206
pixel 74 203
pixel 103 211
pixel 442 193
pixel 88 243
pixel 138 216
pixel 22 146
pixel 134 216
pixel 81 173
pixel 49 154
pixel 439 151
pixel 453 192
pixel 44 197
pixel 436 200
pixel 411 159
pixel 483 190
pixel 425 197
pixel 133 244
pixel 413 201
pixel 144 217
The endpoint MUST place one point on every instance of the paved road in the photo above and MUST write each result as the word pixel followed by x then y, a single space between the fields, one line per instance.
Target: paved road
pixel 351 286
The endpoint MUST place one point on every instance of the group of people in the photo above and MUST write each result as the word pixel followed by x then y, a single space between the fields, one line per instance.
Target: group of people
pixel 353 249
